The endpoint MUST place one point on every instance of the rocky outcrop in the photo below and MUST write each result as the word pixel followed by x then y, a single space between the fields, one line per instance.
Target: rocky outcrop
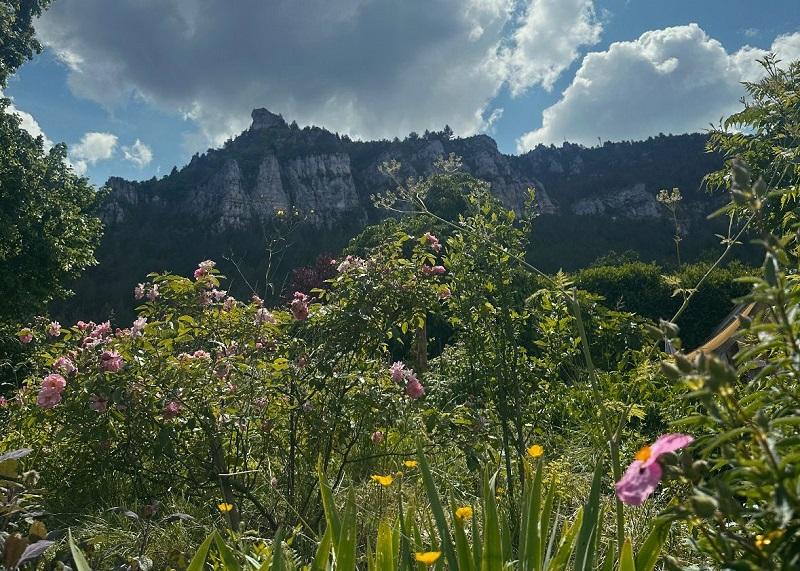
pixel 635 202
pixel 275 167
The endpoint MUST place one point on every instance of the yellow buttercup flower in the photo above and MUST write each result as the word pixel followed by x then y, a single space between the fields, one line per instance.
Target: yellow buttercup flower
pixel 428 557
pixel 464 513
pixel 410 463
pixel 225 508
pixel 535 451
pixel 382 480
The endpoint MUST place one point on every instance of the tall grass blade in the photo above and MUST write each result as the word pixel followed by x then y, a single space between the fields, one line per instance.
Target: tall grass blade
pixel 649 552
pixel 80 561
pixel 323 553
pixel 438 511
pixel 626 562
pixel 384 549
pixel 229 559
pixel 492 559
pixel 587 536
pixel 566 545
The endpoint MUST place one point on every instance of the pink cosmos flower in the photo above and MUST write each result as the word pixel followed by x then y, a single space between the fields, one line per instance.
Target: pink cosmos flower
pixel 25 336
pixel 377 437
pixel 54 329
pixel 138 291
pixel 98 403
pixel 171 410
pixel 65 365
pixel 299 306
pixel 414 388
pixel 111 361
pixel 644 474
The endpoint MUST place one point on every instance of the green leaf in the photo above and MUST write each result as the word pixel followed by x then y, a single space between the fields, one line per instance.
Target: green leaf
pixel 323 553
pixel 438 511
pixel 626 562
pixel 650 550
pixel 384 550
pixel 492 559
pixel 584 552
pixel 565 546
pixel 77 556
pixel 278 563
pixel 227 556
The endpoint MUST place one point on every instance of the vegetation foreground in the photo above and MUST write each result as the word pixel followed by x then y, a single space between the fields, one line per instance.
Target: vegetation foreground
pixel 431 400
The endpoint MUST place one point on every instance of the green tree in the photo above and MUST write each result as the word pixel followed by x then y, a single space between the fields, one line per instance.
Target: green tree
pixel 48 231
pixel 17 40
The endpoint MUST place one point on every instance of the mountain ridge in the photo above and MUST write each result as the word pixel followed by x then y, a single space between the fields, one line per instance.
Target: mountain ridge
pixel 229 202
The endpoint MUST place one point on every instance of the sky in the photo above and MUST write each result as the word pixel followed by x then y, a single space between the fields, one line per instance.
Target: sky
pixel 135 87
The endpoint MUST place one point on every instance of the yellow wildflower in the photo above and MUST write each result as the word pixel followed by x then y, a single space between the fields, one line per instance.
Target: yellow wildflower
pixel 410 463
pixel 428 557
pixel 535 451
pixel 382 480
pixel 225 508
pixel 464 513
pixel 763 541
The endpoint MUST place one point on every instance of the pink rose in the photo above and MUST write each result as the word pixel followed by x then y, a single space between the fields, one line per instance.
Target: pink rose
pixel 65 365
pixel 399 372
pixel 644 474
pixel 414 388
pixel 433 242
pixel 54 382
pixel 171 410
pixel 25 336
pixel 299 306
pixel 54 329
pixel 98 403
pixel 111 361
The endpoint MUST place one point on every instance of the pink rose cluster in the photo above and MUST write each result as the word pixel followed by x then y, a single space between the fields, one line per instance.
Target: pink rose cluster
pixel 644 474
pixel 349 263
pixel 142 291
pixel 433 242
pixel 433 270
pixel 402 375
pixel 299 306
pixel 50 393
pixel 111 362
pixel 203 269
pixel 54 329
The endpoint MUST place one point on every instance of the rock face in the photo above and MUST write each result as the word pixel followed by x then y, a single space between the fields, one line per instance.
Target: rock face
pixel 273 168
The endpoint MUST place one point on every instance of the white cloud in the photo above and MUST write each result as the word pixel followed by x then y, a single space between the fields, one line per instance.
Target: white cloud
pixel 28 123
pixel 93 147
pixel 672 80
pixel 138 153
pixel 548 40
pixel 366 68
